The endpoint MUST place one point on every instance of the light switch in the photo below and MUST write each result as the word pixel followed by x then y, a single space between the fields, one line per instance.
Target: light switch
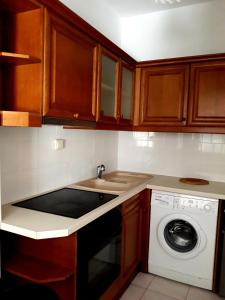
pixel 58 144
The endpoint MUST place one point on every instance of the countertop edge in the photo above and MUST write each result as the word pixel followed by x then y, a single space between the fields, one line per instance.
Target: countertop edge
pixel 73 224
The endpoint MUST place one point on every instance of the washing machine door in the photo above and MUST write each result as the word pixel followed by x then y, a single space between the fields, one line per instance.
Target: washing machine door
pixel 181 236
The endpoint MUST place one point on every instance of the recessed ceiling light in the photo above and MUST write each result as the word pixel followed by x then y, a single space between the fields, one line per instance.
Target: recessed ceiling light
pixel 167 1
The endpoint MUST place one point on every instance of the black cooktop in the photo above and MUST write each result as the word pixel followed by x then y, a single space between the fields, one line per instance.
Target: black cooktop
pixel 67 202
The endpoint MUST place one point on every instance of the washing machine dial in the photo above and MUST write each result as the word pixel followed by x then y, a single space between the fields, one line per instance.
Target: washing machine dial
pixel 176 203
pixel 207 207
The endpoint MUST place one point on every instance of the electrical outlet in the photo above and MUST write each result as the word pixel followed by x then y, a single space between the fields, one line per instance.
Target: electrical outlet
pixel 58 144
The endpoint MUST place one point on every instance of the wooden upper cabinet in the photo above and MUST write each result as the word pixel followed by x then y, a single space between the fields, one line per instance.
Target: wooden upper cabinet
pixel 21 63
pixel 71 65
pixel 126 94
pixel 115 90
pixel 163 95
pixel 207 94
pixel 108 87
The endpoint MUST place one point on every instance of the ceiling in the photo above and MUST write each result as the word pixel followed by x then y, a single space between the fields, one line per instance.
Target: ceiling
pixel 135 7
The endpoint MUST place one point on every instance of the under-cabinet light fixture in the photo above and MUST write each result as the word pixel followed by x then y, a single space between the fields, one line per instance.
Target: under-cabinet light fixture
pixel 167 1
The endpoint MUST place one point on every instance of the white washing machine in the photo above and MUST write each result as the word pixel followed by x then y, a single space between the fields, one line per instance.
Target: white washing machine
pixel 182 238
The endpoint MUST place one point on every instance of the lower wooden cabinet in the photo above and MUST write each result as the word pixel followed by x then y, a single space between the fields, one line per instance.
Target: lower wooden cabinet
pixel 48 262
pixel 53 262
pixel 145 228
pixel 131 239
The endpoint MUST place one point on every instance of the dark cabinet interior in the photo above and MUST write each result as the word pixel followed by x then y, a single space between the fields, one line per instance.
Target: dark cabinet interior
pixel 48 262
pixel 135 234
pixel 99 255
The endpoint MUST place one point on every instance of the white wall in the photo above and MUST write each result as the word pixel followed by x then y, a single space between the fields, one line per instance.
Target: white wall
pixel 98 14
pixel 185 155
pixel 29 165
pixel 189 30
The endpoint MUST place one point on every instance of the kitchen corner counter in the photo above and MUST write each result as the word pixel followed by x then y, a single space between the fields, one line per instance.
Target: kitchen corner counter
pixel 40 225
pixel 215 190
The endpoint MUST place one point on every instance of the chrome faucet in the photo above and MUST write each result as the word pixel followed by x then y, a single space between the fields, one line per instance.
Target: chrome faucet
pixel 100 169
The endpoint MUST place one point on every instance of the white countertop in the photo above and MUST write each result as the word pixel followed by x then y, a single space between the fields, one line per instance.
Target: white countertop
pixel 214 189
pixel 40 225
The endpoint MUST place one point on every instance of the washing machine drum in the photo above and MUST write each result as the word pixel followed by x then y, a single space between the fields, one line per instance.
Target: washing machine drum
pixel 180 235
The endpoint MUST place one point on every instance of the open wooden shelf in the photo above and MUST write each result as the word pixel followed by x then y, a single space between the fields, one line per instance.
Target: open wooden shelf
pixel 22 119
pixel 36 270
pixel 17 58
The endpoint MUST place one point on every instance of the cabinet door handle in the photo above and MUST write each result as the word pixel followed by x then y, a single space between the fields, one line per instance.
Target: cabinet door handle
pixel 76 116
pixel 184 120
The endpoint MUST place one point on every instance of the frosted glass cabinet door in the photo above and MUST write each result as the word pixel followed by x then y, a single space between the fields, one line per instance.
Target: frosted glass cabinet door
pixel 127 94
pixel 108 87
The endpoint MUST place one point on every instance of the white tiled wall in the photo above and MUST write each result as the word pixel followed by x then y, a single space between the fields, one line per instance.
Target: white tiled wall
pixel 30 166
pixel 193 155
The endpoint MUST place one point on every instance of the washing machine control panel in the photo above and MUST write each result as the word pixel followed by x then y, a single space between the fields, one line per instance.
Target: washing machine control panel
pixel 163 200
pixel 196 204
pixel 185 202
